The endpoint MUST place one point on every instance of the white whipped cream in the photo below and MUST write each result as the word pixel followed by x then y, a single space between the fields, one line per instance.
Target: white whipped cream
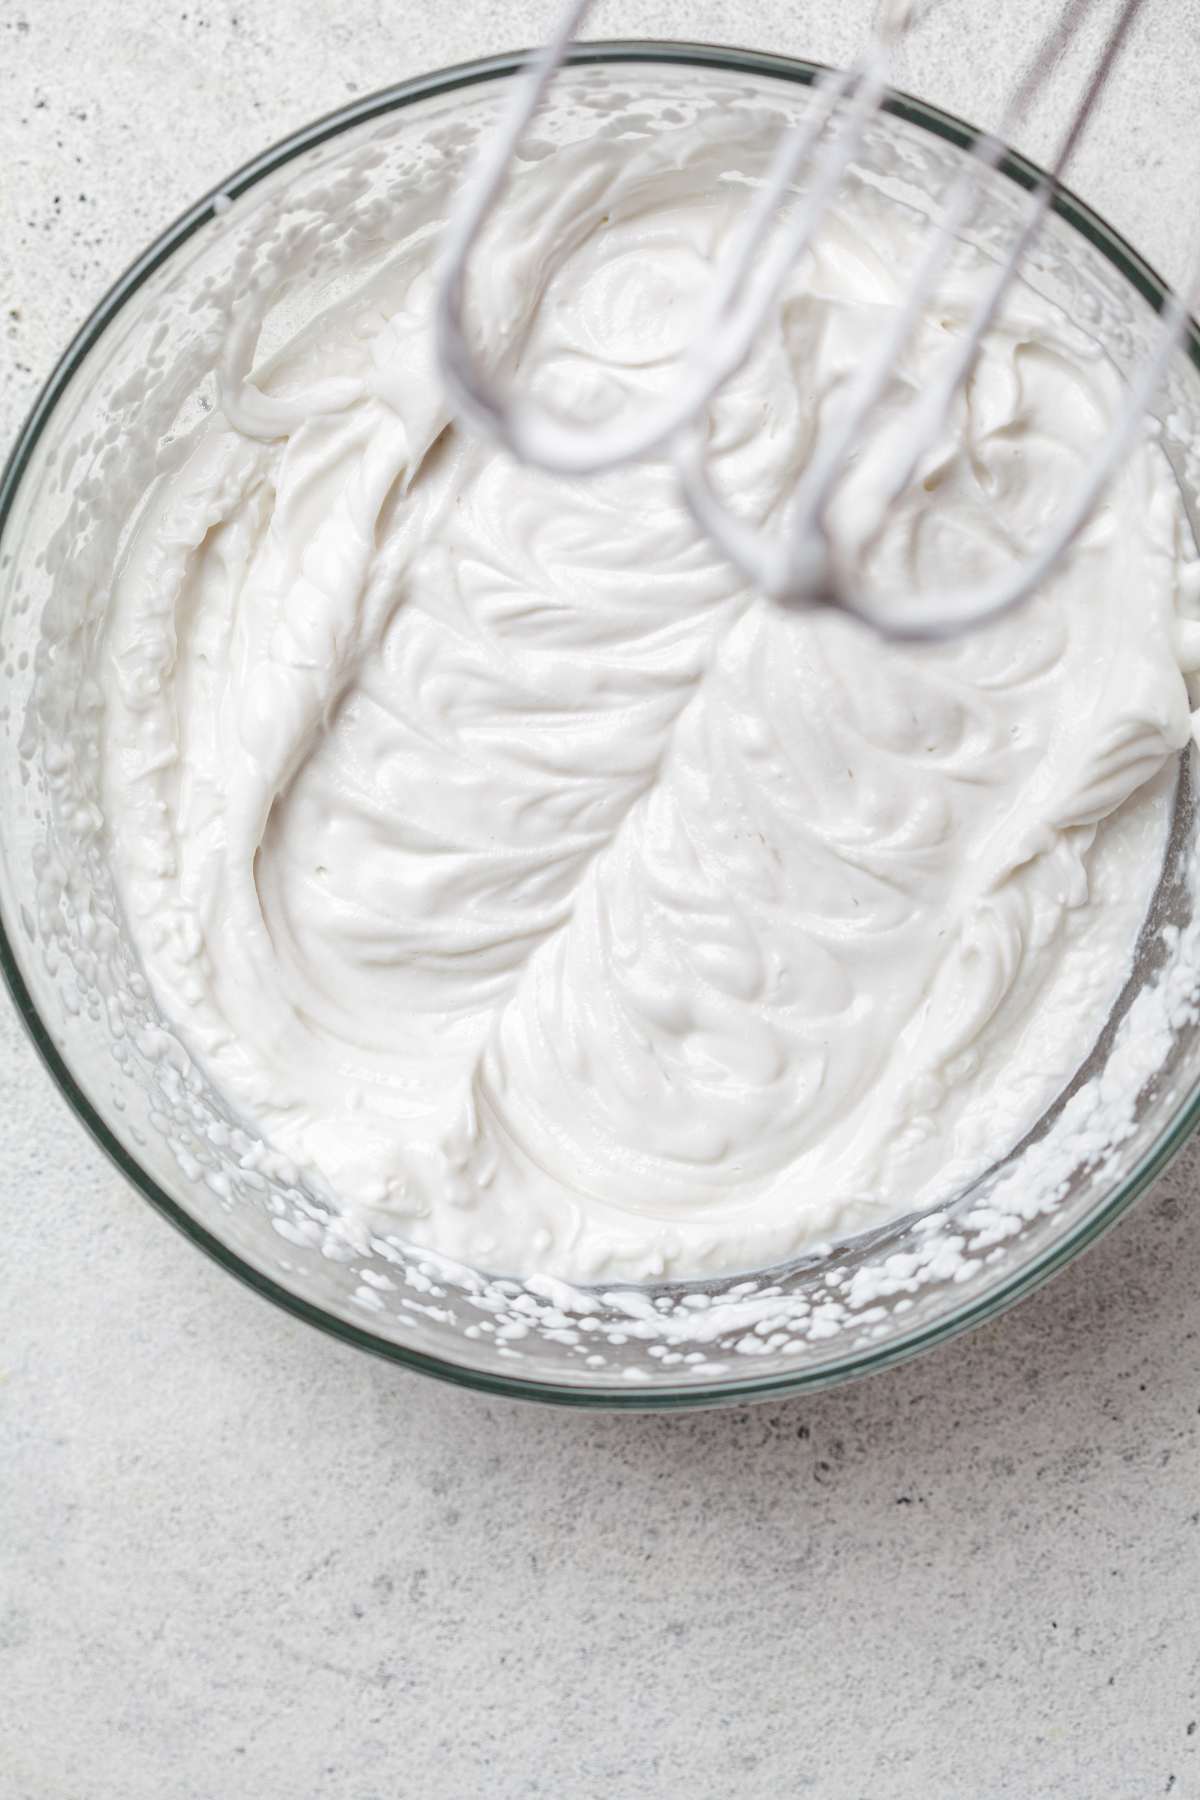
pixel 529 881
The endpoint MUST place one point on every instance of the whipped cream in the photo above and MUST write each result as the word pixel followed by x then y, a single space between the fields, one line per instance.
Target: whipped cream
pixel 532 883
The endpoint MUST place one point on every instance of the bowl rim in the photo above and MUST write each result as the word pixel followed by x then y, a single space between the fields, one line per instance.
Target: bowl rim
pixel 865 1360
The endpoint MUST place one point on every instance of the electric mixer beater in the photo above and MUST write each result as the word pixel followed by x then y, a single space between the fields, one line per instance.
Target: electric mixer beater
pixel 809 562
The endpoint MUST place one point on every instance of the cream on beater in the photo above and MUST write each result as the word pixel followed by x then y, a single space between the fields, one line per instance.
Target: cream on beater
pixel 531 882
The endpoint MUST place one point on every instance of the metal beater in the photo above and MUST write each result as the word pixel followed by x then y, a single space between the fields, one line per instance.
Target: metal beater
pixel 805 565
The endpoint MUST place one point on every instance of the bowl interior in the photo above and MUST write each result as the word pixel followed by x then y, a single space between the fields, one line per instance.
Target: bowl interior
pixel 115 415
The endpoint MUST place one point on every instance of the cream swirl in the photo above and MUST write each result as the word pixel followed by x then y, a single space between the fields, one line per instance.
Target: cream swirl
pixel 535 885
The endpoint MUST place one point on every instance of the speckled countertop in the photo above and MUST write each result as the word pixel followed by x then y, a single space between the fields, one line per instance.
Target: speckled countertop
pixel 241 1562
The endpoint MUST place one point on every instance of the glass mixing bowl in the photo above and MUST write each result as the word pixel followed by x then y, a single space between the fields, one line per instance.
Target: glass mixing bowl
pixel 137 377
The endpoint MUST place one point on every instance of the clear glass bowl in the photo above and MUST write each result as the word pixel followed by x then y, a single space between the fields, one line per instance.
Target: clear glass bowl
pixel 144 355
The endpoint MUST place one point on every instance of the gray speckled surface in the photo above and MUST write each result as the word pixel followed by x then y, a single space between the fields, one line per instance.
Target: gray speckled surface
pixel 238 1560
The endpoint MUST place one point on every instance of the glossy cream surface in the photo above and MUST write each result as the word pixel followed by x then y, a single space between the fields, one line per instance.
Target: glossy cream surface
pixel 536 887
